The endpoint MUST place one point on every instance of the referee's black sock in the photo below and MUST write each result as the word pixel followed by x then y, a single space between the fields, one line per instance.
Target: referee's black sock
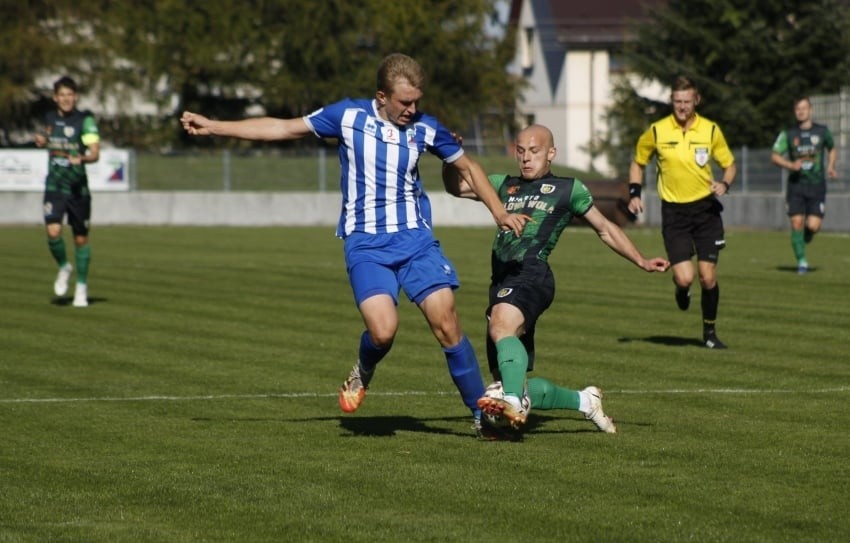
pixel 710 300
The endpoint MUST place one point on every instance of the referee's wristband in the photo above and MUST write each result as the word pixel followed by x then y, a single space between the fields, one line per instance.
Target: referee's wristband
pixel 725 184
pixel 634 190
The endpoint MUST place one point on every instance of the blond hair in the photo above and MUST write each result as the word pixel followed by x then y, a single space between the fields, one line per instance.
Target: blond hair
pixel 398 66
pixel 683 83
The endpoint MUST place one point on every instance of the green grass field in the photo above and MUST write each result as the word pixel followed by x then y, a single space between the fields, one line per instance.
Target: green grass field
pixel 269 172
pixel 195 399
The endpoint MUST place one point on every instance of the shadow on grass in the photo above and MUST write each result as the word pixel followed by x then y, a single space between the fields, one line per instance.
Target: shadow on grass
pixel 364 426
pixel 390 426
pixel 66 301
pixel 670 341
pixel 793 269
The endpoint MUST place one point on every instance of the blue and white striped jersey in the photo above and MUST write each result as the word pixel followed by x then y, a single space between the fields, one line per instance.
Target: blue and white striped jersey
pixel 381 188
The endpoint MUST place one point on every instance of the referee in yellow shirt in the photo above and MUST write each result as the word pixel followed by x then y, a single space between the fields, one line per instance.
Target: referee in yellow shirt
pixel 691 223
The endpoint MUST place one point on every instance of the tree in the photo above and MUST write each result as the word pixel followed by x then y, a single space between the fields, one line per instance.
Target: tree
pixel 289 56
pixel 749 58
pixel 39 40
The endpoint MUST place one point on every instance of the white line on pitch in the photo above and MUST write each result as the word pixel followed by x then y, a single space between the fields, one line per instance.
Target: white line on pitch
pixel 730 391
pixel 290 395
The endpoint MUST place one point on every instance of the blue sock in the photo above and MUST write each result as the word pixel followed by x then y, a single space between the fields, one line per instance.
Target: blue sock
pixel 463 367
pixel 370 354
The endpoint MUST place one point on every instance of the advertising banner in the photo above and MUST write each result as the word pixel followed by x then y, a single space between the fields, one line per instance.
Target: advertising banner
pixel 26 169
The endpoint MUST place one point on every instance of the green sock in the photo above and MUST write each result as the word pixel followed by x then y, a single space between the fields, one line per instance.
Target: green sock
pixel 83 257
pixel 513 364
pixel 798 244
pixel 545 395
pixel 57 249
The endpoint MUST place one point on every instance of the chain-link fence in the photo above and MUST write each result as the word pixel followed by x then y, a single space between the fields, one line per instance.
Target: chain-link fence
pixel 756 173
pixel 318 170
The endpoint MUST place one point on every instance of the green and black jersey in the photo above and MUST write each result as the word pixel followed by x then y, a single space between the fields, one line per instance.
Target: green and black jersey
pixel 551 202
pixel 68 136
pixel 810 146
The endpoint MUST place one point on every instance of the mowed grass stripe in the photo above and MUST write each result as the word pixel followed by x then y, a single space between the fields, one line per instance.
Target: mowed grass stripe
pixel 195 399
pixel 299 395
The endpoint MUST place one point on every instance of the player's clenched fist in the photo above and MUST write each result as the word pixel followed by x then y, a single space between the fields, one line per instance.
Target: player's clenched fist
pixel 195 124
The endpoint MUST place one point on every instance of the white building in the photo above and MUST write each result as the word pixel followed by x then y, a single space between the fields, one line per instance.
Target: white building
pixel 569 54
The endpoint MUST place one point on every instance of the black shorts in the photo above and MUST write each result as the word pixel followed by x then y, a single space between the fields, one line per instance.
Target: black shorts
pixel 692 228
pixel 530 287
pixel 805 199
pixel 76 207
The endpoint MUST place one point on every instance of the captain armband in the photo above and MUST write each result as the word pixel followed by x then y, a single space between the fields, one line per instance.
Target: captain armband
pixel 634 190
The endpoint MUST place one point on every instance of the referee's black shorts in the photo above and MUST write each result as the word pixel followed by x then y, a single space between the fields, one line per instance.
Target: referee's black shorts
pixel 693 228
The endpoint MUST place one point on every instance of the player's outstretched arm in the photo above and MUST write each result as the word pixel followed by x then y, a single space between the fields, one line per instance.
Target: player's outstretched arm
pixel 262 128
pixel 455 184
pixel 468 180
pixel 614 237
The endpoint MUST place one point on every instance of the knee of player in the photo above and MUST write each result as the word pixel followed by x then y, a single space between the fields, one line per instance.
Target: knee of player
pixel 382 337
pixel 449 335
pixel 708 282
pixel 505 323
pixel 683 279
pixel 498 333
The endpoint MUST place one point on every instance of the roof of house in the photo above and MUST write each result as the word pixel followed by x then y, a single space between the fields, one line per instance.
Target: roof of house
pixel 594 23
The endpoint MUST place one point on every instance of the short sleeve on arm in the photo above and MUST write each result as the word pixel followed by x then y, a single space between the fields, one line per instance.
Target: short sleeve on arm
pixel 722 154
pixel 90 133
pixel 439 140
pixel 645 146
pixel 496 179
pixel 780 145
pixel 326 122
pixel 829 143
pixel 580 200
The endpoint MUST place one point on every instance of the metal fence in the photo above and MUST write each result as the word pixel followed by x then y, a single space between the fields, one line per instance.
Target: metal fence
pixel 756 173
pixel 319 170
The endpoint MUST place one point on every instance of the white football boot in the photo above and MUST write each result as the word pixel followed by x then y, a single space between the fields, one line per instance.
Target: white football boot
pixel 602 421
pixel 60 286
pixel 81 295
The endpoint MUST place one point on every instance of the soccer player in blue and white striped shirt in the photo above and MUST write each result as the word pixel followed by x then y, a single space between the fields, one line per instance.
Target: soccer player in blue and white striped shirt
pixel 386 216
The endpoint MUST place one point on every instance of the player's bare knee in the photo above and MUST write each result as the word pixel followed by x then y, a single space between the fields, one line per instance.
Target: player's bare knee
pixel 448 333
pixel 498 330
pixel 683 281
pixel 382 336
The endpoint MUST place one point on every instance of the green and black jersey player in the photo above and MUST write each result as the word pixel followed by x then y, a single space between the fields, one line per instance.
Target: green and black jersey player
pixel 522 283
pixel 801 151
pixel 72 140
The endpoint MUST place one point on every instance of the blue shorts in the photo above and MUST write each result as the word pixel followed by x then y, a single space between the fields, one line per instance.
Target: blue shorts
pixel 384 263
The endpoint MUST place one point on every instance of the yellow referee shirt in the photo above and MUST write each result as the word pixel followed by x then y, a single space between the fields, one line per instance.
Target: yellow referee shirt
pixel 684 173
